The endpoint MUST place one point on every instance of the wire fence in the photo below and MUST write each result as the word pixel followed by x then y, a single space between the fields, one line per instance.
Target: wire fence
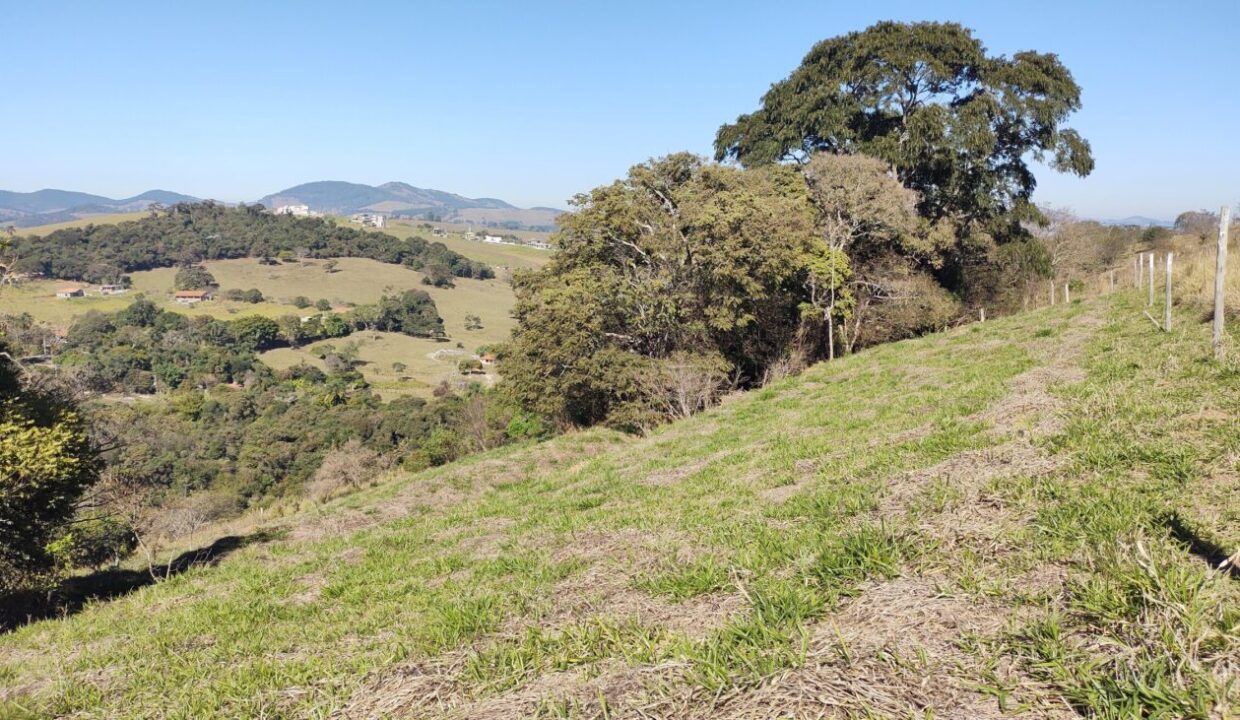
pixel 1193 280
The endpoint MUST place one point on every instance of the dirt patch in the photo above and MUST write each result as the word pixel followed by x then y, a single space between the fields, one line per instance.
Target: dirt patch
pixel 311 588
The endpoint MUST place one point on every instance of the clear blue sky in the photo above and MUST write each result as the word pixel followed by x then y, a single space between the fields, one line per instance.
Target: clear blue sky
pixel 533 102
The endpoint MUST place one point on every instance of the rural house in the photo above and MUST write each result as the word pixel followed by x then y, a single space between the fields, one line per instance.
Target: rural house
pixel 70 292
pixel 112 289
pixel 191 297
pixel 374 220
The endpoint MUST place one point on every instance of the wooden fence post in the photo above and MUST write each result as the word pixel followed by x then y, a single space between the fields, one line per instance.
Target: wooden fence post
pixel 1052 293
pixel 1067 297
pixel 1220 277
pixel 1167 304
pixel 982 312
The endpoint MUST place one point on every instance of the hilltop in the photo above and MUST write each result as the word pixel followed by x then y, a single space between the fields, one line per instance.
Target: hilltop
pixel 44 207
pixel 1010 518
pixel 398 198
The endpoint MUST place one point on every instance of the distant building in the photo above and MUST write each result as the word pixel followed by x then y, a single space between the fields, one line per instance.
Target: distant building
pixel 70 292
pixel 298 210
pixel 493 239
pixel 112 289
pixel 489 359
pixel 374 220
pixel 191 297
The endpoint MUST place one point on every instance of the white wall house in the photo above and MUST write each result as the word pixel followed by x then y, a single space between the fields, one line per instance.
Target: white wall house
pixel 374 220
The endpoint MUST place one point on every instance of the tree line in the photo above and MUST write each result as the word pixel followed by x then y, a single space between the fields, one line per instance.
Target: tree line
pixel 186 234
pixel 143 349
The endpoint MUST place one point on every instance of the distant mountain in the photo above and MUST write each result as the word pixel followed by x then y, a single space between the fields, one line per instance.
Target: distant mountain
pixel 1140 221
pixel 403 199
pixel 51 206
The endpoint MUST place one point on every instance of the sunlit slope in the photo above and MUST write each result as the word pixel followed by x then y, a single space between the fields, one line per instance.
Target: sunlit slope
pixel 1010 517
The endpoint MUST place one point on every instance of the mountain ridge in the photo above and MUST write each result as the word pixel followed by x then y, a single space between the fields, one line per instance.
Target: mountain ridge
pixel 396 198
pixel 51 205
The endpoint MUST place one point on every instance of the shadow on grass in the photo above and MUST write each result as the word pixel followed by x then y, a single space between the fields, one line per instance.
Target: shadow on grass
pixel 1211 552
pixel 74 593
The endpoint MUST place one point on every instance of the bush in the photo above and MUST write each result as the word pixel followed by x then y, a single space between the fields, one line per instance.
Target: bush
pixel 46 461
pixel 301 302
pixel 323 304
pixel 345 468
pixel 440 447
pixel 93 542
pixel 919 305
pixel 185 516
pixel 470 366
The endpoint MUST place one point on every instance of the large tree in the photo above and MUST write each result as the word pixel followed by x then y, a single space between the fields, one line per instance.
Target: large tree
pixel 958 126
pixel 681 263
pixel 875 252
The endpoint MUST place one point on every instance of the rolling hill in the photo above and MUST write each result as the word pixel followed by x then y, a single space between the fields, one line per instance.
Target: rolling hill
pixel 397 198
pixel 1018 518
pixel 44 207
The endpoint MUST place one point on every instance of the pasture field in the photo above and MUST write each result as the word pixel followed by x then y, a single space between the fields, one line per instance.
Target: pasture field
pixel 1018 518
pixel 497 256
pixel 353 280
pixel 106 219
pixel 426 362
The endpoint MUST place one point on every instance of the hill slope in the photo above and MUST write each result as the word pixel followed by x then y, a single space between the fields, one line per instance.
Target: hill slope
pixel 398 198
pixel 1006 517
pixel 44 207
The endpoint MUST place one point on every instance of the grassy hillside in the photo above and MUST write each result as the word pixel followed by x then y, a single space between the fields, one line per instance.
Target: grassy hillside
pixel 510 256
pixel 107 219
pixel 1016 517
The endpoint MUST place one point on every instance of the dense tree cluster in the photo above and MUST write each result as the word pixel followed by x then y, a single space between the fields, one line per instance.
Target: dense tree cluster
pixel 187 234
pixel 144 349
pixel 270 437
pixel 885 188
pixel 681 257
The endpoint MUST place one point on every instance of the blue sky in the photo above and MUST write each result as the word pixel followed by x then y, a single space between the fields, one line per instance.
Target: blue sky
pixel 533 102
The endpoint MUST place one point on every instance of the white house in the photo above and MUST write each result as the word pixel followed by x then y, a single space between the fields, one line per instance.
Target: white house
pixel 370 220
pixel 298 210
pixel 493 239
pixel 70 292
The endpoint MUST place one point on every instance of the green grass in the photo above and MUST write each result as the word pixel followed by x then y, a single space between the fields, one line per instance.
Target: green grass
pixel 594 552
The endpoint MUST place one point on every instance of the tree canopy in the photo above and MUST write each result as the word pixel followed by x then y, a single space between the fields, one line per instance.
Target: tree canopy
pixel 681 256
pixel 187 234
pixel 958 125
